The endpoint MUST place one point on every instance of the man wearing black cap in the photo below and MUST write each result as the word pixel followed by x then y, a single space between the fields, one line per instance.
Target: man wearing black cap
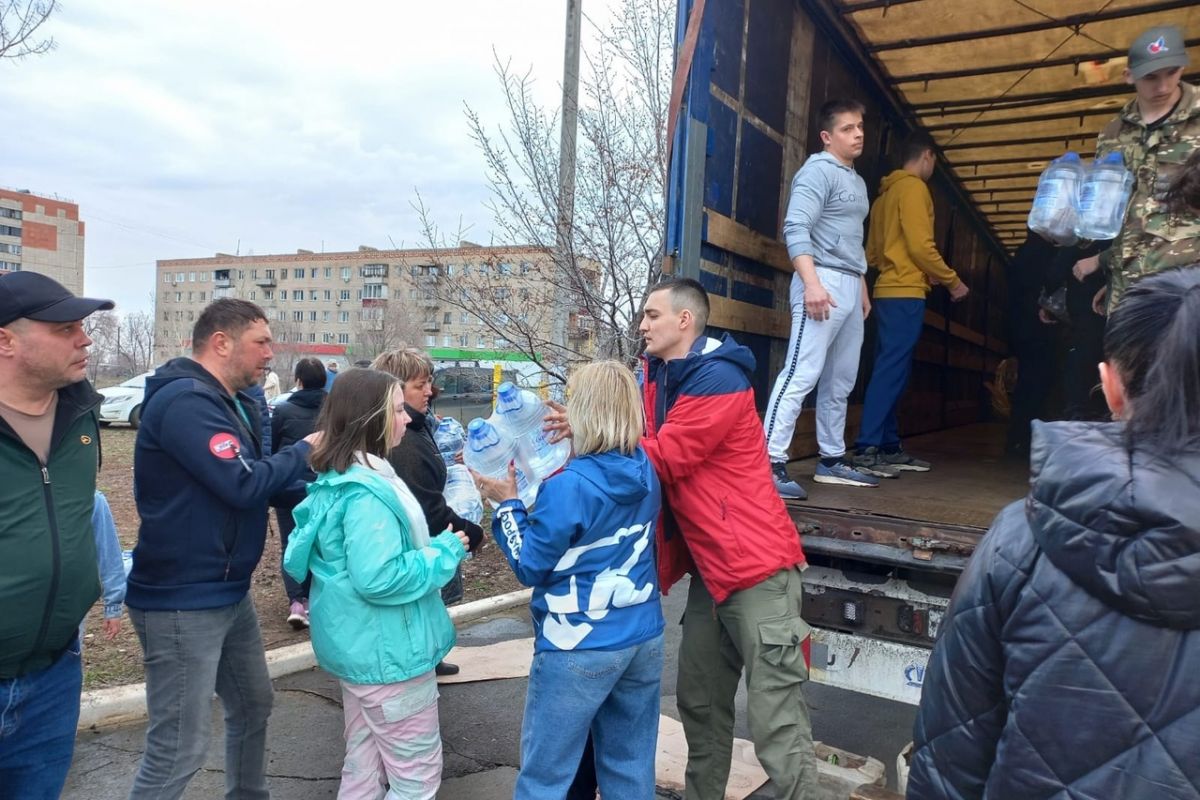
pixel 49 455
pixel 1155 133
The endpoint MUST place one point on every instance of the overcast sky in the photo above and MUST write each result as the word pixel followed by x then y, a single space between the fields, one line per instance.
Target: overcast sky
pixel 184 128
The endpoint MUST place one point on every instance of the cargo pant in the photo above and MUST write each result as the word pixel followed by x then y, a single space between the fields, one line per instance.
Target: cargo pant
pixel 760 629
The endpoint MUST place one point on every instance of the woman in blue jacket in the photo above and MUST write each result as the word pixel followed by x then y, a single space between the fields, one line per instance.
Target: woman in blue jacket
pixel 377 618
pixel 588 552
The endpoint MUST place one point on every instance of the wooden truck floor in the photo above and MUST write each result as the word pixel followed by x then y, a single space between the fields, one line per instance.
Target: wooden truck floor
pixel 970 482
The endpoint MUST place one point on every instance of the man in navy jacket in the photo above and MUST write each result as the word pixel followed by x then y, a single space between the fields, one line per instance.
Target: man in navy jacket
pixel 201 484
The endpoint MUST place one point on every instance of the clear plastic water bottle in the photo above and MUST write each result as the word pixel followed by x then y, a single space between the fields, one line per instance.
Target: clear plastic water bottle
pixel 450 439
pixel 490 450
pixel 462 495
pixel 1103 198
pixel 1056 204
pixel 521 413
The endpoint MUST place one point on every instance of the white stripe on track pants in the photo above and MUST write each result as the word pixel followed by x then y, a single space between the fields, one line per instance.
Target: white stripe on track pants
pixel 821 353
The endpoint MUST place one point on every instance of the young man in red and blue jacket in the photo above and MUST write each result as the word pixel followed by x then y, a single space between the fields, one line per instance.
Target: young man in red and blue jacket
pixel 724 523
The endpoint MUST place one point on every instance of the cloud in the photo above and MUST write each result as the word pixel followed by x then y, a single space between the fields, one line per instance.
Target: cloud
pixel 186 128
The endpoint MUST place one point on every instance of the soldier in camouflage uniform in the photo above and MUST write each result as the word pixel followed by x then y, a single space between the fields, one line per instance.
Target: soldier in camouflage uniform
pixel 1156 132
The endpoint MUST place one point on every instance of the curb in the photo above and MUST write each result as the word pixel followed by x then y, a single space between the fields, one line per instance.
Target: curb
pixel 118 705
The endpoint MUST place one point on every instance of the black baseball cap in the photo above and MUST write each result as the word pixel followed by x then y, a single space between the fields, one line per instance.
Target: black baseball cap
pixel 1157 48
pixel 30 295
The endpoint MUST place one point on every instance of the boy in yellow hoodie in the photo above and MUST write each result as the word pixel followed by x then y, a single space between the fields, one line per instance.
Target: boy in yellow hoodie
pixel 900 245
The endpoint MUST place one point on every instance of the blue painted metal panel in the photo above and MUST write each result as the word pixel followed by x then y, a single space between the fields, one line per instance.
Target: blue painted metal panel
pixel 768 53
pixel 726 19
pixel 713 283
pixel 758 181
pixel 722 155
pixel 756 295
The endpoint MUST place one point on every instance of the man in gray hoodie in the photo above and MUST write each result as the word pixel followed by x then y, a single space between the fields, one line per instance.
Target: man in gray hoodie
pixel 823 231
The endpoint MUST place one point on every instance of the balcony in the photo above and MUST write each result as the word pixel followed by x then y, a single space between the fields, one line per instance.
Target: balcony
pixel 431 327
pixel 374 302
pixel 267 282
pixel 223 291
pixel 374 280
pixel 223 283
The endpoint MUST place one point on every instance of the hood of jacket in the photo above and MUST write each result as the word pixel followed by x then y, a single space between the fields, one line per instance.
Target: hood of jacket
pixel 307 398
pixel 1122 524
pixel 182 368
pixel 706 347
pixel 623 479
pixel 895 178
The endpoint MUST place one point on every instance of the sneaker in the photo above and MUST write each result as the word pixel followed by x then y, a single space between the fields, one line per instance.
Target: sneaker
pixel 903 461
pixel 843 474
pixel 297 615
pixel 445 668
pixel 870 462
pixel 788 489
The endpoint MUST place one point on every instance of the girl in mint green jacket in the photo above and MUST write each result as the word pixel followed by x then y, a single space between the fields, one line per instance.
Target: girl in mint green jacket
pixel 377 618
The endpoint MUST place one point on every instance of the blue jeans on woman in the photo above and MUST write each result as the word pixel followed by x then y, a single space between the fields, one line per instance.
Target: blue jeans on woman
pixel 38 715
pixel 614 694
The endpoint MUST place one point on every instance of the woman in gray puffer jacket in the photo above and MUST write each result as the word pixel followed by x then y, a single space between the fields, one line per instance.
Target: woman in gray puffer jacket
pixel 1068 665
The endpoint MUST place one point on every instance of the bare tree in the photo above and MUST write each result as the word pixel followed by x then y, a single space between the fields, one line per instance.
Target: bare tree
pixel 387 325
pixel 136 337
pixel 20 21
pixel 101 327
pixel 614 251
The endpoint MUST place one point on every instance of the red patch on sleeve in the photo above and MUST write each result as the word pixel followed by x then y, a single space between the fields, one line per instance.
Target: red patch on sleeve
pixel 224 445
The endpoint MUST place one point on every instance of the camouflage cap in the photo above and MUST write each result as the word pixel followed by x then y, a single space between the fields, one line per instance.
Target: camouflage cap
pixel 1157 48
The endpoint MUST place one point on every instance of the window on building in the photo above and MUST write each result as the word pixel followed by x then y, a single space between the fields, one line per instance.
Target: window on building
pixel 191 316
pixel 344 294
pixel 504 268
pixel 9 230
pixel 179 316
pixel 166 316
pixel 447 340
pixel 281 336
pixel 10 213
pixel 501 292
pixel 343 316
pixel 312 316
pixel 191 277
pixel 447 317
pixel 298 294
pixel 481 340
pixel 253 295
pixel 268 294
pixel 15 249
pixel 414 294
pixel 464 340
pixel 343 338
pixel 374 291
pixel 271 274
pixel 241 274
pixel 179 297
pixel 298 316
pixel 204 277
pixel 499 342
pixel 283 274
pixel 312 273
pixel 282 316
pixel 253 275
pixel 328 294
pixel 523 294
pixel 191 296
pixel 374 270
pixel 325 315
pixel 312 338
pixel 166 277
pixel 347 273
pixel 431 341
pixel 179 276
pixel 329 272
pixel 327 338
pixel 464 317
pixel 298 272
pixel 312 295
pixel 526 267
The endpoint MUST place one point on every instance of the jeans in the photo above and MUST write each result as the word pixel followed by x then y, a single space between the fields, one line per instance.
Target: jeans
pixel 612 693
pixel 188 656
pixel 38 716
pixel 287 524
pixel 899 322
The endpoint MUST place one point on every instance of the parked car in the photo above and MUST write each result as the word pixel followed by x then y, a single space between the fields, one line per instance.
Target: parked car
pixel 122 403
pixel 279 400
pixel 465 392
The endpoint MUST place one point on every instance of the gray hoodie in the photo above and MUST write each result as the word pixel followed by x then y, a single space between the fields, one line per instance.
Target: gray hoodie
pixel 825 215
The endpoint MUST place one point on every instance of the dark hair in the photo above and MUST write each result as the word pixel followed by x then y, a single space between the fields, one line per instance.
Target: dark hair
pixel 364 363
pixel 356 417
pixel 310 373
pixel 686 293
pixel 1184 192
pixel 914 145
pixel 227 315
pixel 828 113
pixel 1153 340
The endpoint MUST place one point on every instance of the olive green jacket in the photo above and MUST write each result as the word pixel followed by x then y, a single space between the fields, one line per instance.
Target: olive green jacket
pixel 49 576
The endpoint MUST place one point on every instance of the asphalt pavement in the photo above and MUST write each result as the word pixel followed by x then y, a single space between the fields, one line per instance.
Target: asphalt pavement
pixel 481 730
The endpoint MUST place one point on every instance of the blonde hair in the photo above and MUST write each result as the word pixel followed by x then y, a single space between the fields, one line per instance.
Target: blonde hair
pixel 406 363
pixel 605 408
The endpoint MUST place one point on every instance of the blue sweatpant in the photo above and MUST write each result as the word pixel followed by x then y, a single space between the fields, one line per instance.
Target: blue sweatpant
pixel 899 322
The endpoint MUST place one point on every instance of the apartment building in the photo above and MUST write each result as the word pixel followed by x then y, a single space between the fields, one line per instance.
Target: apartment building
pixel 41 234
pixel 357 304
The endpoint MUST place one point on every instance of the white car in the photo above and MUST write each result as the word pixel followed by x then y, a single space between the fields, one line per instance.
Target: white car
pixel 123 402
